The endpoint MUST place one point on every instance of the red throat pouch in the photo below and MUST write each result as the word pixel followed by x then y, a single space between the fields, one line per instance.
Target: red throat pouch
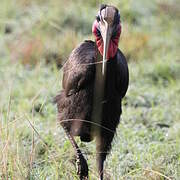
pixel 113 44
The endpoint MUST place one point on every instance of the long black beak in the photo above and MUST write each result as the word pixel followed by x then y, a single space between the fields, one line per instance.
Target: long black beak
pixel 106 40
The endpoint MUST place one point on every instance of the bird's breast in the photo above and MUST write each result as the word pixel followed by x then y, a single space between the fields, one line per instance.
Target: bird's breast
pixel 98 97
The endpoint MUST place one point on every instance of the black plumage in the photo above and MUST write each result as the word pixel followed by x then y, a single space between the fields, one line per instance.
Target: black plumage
pixel 89 106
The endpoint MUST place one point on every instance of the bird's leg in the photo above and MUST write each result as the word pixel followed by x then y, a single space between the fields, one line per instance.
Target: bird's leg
pixel 100 156
pixel 81 161
pixel 103 145
pixel 100 165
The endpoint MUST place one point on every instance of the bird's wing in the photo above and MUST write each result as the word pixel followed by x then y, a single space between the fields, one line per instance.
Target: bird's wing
pixel 122 74
pixel 79 70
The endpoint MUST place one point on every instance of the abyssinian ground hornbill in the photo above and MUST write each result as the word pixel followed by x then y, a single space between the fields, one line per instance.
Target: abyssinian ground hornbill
pixel 94 82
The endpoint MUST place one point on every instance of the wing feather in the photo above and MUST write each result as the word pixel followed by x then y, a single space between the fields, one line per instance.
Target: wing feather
pixel 79 70
pixel 122 74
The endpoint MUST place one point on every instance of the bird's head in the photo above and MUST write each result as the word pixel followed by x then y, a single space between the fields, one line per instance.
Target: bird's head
pixel 107 30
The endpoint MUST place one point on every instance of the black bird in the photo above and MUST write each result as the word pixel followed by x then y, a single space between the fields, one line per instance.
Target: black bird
pixel 94 82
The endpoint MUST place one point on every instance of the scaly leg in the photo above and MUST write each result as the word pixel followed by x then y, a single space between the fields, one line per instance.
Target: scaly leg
pixel 81 161
pixel 103 146
pixel 100 157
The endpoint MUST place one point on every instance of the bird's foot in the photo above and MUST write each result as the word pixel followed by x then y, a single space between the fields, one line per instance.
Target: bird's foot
pixel 82 168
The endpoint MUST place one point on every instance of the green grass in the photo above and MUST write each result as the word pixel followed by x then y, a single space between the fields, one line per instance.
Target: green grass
pixel 42 34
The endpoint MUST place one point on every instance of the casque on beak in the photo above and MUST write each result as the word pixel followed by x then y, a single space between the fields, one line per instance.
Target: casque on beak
pixel 106 27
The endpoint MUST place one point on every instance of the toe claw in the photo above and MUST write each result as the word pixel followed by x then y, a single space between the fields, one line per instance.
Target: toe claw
pixel 82 168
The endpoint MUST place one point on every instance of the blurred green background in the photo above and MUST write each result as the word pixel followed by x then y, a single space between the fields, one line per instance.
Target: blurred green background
pixel 36 38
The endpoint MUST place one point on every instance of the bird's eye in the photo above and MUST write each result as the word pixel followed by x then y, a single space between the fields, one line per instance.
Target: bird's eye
pixel 98 32
pixel 98 18
pixel 117 18
pixel 115 30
